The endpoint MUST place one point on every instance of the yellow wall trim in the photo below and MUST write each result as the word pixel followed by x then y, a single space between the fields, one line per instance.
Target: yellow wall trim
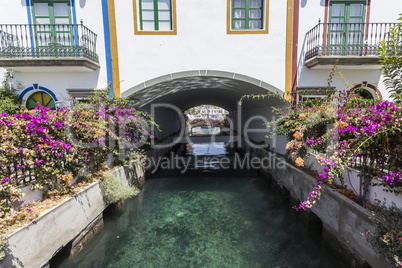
pixel 289 37
pixel 114 48
pixel 229 24
pixel 137 30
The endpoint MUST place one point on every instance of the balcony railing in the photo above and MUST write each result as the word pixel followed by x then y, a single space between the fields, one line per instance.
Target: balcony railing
pixel 345 39
pixel 47 41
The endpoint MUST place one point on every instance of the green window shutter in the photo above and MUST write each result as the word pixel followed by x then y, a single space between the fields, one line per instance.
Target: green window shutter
pixel 155 15
pixel 247 14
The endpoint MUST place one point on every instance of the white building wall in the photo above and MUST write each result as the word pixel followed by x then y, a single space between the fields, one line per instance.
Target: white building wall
pixel 310 13
pixel 201 43
pixel 59 79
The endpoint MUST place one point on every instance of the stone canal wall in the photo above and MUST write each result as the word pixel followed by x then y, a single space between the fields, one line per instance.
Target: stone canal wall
pixel 344 222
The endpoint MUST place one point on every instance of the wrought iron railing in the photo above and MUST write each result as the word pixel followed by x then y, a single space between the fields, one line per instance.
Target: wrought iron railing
pixel 345 39
pixel 47 40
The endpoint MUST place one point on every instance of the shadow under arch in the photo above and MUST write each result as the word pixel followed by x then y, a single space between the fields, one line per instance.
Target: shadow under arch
pixel 192 88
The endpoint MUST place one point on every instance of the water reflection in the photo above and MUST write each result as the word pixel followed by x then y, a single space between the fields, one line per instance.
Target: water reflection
pixel 203 220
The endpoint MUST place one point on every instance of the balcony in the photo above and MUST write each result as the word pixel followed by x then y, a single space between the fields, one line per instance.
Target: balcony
pixel 38 47
pixel 352 44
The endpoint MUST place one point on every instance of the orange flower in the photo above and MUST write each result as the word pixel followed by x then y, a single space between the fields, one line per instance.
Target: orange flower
pixel 341 124
pixel 299 162
pixel 298 145
pixel 287 124
pixel 298 135
pixel 290 145
pixel 293 154
pixel 302 116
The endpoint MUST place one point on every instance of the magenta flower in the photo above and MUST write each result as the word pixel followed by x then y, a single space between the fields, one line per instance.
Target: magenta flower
pixel 5 180
pixel 39 162
pixel 20 150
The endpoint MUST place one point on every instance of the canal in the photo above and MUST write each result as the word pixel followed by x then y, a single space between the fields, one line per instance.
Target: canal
pixel 207 216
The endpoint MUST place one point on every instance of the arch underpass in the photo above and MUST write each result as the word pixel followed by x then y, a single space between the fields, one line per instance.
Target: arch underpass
pixel 166 96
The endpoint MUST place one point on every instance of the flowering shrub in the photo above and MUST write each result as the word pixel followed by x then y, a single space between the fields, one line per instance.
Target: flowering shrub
pixel 346 133
pixel 387 235
pixel 44 147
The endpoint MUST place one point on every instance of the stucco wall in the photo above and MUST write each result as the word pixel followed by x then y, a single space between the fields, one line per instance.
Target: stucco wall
pixel 201 43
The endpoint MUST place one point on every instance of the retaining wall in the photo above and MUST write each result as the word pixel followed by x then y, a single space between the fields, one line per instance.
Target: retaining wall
pixel 36 243
pixel 344 222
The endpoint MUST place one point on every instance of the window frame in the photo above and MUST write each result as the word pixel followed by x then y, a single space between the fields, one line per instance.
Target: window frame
pixel 138 19
pixel 264 19
pixel 347 17
pixel 48 104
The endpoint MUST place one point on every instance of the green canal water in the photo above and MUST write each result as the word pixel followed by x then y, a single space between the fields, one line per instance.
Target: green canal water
pixel 206 217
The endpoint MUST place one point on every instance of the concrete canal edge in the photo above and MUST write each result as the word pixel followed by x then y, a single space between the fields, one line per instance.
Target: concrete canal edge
pixel 66 226
pixel 344 222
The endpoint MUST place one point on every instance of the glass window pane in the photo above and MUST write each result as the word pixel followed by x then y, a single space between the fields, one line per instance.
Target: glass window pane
pixel 147 15
pixel 61 20
pixel 43 39
pixel 164 15
pixel 239 24
pixel 63 38
pixel 337 27
pixel 60 9
pixel 337 38
pixel 239 3
pixel 148 26
pixel 338 10
pixel 42 21
pixel 255 3
pixel 254 24
pixel 239 13
pixel 165 26
pixel 356 24
pixel 337 20
pixel 356 9
pixel 354 38
pixel 63 28
pixel 41 9
pixel 254 14
pixel 147 4
pixel 164 4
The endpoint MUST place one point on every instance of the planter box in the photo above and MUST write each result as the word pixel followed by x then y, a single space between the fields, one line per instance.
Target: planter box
pixel 351 179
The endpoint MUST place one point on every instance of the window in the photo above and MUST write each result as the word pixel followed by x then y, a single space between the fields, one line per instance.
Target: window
pixel 154 16
pixel 346 27
pixel 247 16
pixel 52 20
pixel 40 98
pixel 365 94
